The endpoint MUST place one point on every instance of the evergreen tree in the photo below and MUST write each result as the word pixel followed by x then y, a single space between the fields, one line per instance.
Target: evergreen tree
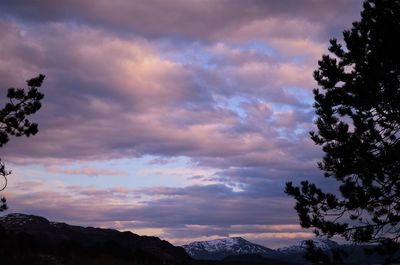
pixel 358 119
pixel 14 122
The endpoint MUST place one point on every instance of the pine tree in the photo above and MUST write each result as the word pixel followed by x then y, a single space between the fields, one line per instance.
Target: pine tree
pixel 14 121
pixel 358 119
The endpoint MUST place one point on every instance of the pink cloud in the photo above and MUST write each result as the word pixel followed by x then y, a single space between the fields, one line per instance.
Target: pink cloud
pixel 88 171
pixel 130 79
pixel 194 19
pixel 165 215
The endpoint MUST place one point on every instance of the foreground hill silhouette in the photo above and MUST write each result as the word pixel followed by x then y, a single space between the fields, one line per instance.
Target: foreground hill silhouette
pixel 28 239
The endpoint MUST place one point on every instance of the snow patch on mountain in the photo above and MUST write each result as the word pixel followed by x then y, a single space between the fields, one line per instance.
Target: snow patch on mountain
pixel 16 219
pixel 323 244
pixel 221 248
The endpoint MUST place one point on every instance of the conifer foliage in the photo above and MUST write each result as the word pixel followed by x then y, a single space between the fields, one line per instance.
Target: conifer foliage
pixel 358 119
pixel 14 122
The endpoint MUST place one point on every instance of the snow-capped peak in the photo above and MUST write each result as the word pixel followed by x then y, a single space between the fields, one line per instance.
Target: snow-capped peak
pixel 224 247
pixel 220 244
pixel 323 244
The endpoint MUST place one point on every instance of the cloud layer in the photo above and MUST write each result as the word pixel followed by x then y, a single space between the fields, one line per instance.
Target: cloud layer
pixel 226 85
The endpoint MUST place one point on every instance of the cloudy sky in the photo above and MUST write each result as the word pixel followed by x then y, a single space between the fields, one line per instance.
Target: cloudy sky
pixel 176 118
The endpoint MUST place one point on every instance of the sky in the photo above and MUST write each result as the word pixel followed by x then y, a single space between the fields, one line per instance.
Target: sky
pixel 181 119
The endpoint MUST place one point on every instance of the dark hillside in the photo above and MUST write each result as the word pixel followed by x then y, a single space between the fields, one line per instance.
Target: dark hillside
pixel 27 239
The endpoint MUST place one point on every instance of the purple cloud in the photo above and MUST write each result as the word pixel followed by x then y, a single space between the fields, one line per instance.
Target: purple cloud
pixel 224 84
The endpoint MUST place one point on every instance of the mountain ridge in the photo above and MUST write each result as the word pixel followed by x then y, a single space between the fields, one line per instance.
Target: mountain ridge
pixel 321 243
pixel 293 254
pixel 221 248
pixel 30 239
pixel 34 240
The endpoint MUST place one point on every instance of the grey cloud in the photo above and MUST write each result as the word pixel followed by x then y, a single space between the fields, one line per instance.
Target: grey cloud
pixel 94 109
pixel 128 79
pixel 192 19
pixel 215 205
pixel 181 213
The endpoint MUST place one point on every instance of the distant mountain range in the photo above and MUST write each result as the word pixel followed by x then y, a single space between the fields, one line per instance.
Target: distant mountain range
pixel 33 240
pixel 238 249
